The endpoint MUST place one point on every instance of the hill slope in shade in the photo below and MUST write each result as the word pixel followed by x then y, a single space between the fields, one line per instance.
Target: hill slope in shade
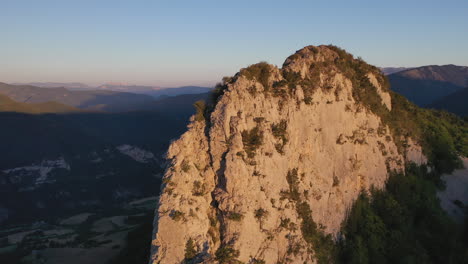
pixel 93 100
pixel 456 103
pixel 86 149
pixel 425 85
pixel 8 105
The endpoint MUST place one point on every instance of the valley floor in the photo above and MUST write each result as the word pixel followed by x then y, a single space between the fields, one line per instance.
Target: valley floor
pixel 89 237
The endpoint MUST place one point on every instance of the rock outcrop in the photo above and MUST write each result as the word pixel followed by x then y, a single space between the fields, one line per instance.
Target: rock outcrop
pixel 277 148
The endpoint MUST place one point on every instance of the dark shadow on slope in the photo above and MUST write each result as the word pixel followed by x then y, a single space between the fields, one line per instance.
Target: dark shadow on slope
pixel 100 175
pixel 422 92
pixel 456 103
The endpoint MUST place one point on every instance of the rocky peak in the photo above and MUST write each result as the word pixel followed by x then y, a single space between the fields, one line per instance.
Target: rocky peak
pixel 268 171
pixel 303 59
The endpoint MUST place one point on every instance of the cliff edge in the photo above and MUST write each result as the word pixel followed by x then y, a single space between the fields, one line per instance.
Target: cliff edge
pixel 267 172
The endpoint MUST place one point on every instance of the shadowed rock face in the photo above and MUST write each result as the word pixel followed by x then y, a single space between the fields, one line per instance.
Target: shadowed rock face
pixel 275 141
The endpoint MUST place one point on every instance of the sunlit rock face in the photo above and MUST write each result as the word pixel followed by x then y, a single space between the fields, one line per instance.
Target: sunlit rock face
pixel 276 139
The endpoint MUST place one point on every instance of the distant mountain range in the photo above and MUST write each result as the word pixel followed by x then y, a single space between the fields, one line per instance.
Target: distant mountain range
pixel 90 99
pixel 124 87
pixel 426 85
pixel 155 91
pixel 94 100
pixel 178 91
pixel 390 70
pixel 68 85
pixel 9 105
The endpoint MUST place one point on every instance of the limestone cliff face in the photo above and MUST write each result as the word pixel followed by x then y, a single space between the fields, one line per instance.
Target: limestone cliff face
pixel 275 139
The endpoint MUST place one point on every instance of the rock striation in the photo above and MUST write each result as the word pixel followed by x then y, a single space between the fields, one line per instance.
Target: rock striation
pixel 278 147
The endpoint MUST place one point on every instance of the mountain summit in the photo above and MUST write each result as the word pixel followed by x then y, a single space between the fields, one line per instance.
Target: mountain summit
pixel 268 170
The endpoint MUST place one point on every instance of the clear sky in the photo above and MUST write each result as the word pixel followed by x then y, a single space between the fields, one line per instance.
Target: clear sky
pixel 174 42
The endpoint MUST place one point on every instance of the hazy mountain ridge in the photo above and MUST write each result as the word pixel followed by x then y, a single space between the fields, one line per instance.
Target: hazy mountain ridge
pixel 9 105
pixel 95 100
pixel 425 85
pixel 155 91
pixel 391 70
pixel 67 85
pixel 457 75
pixel 179 91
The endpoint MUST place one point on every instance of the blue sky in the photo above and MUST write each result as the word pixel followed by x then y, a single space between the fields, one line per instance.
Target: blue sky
pixel 172 43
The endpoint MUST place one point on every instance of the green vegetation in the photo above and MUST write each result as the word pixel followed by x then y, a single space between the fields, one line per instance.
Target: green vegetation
pixel 190 250
pixel 288 85
pixel 252 140
pixel 402 224
pixel 293 182
pixel 227 255
pixel 8 105
pixel 260 214
pixel 235 216
pixel 336 181
pixel 323 246
pixel 200 107
pixel 185 166
pixel 136 249
pixel 293 79
pixel 257 261
pixel 218 91
pixel 259 72
pixel 443 136
pixel 198 189
pixel 288 224
pixel 177 215
pixel 279 132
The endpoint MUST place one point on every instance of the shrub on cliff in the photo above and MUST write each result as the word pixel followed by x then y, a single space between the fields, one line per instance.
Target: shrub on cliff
pixel 252 139
pixel 259 72
pixel 200 108
pixel 279 132
pixel 190 250
pixel 227 255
